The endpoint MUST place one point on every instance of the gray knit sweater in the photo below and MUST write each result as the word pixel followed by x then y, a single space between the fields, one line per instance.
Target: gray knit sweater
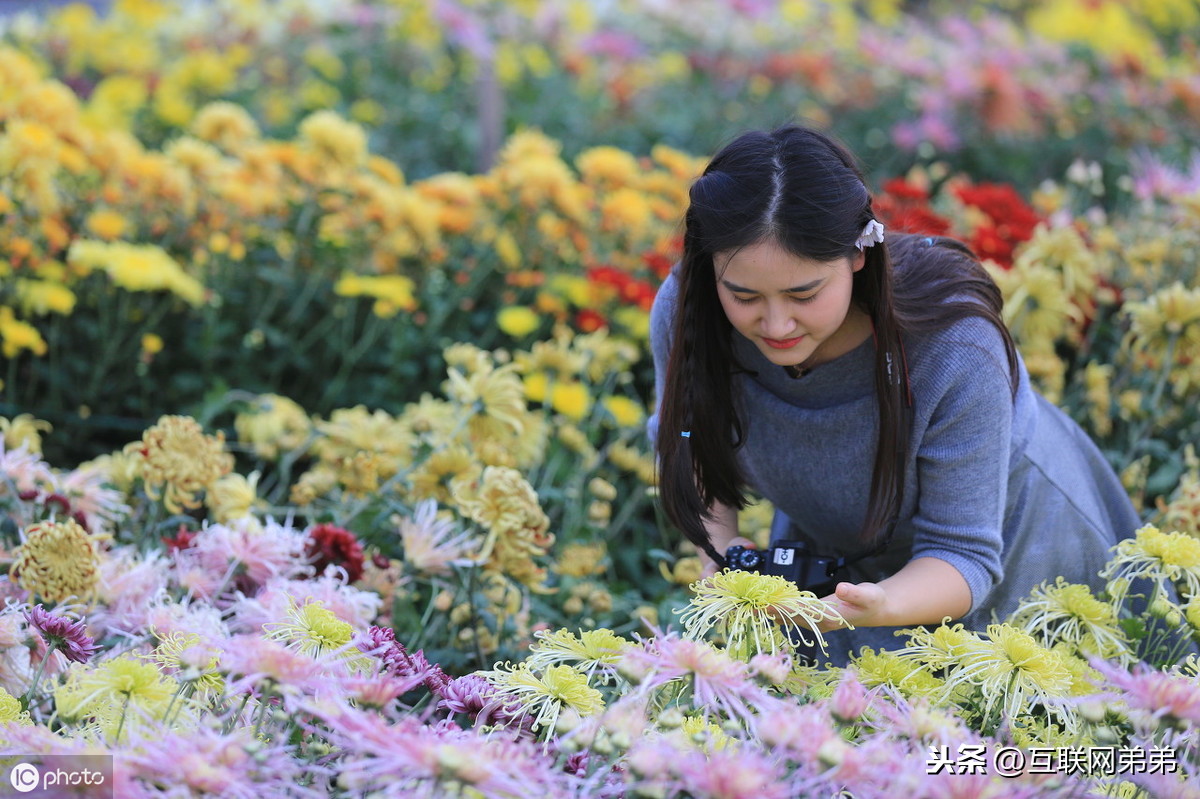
pixel 1011 493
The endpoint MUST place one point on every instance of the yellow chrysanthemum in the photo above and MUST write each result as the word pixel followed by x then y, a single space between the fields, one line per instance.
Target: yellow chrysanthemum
pixel 24 430
pixel 17 335
pixel 1157 556
pixel 627 413
pixel 1070 613
pixel 571 400
pixel 887 668
pixel 178 460
pixel 116 692
pixel 352 432
pixel 751 608
pixel 504 503
pixel 227 125
pixel 41 297
pixel 335 140
pixel 1012 670
pixel 544 696
pixel 273 424
pixel 581 560
pixel 392 293
pixel 315 630
pixel 194 661
pixel 136 267
pixel 608 166
pixel 11 712
pixel 517 321
pixel 57 561
pixel 232 497
pixel 106 223
pixel 493 397
pixel 589 652
pixel 702 733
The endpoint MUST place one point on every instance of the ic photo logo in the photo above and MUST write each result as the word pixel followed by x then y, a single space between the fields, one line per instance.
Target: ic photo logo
pixel 24 777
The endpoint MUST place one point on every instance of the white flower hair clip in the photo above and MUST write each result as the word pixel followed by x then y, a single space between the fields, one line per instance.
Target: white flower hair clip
pixel 871 235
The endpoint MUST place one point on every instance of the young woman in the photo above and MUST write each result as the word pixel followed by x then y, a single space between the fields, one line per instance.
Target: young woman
pixel 866 386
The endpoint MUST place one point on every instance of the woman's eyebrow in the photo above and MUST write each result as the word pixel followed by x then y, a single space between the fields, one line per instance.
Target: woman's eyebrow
pixel 792 290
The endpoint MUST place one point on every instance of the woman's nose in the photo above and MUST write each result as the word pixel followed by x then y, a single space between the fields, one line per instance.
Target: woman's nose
pixel 778 321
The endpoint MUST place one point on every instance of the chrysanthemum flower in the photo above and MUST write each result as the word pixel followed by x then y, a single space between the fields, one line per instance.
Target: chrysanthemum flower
pixel 1014 670
pixel 1070 613
pixel 543 696
pixel 115 691
pixel 432 545
pixel 87 489
pixel 178 461
pixel 330 545
pixel 201 761
pixel 381 643
pixel 719 683
pixel 749 608
pixel 592 652
pixel 1152 698
pixel 57 560
pixel 251 660
pixel 24 468
pixel 506 506
pixel 1157 556
pixel 900 674
pixel 192 659
pixel 731 773
pixel 11 712
pixel 62 634
pixel 428 761
pixel 273 425
pixel 313 629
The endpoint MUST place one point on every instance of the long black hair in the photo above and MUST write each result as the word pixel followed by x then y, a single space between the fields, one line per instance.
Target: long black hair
pixel 798 188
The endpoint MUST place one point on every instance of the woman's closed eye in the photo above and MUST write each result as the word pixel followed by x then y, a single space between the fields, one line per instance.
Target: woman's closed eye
pixel 746 300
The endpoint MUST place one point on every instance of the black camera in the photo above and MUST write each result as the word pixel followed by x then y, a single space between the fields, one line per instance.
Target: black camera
pixel 790 559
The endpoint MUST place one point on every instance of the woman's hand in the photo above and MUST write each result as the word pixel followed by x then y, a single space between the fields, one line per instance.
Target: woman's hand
pixel 927 590
pixel 861 604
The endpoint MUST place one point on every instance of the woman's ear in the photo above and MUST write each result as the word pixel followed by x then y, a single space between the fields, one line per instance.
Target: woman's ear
pixel 858 261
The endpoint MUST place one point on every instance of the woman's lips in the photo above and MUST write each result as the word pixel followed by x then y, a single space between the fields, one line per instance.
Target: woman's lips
pixel 782 344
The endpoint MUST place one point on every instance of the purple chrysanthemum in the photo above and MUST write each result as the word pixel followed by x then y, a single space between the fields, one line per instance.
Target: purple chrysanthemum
pixel 381 643
pixel 62 634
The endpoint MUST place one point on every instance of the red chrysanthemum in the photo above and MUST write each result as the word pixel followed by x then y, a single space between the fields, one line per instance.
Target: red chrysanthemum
pixel 590 321
pixel 330 545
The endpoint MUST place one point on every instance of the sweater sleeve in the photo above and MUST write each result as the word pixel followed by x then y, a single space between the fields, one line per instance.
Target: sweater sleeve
pixel 662 318
pixel 962 454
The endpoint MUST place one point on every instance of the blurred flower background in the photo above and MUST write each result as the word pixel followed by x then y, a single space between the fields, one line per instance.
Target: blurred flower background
pixel 323 349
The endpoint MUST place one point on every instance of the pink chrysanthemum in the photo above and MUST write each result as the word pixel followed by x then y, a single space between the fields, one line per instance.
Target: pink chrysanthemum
pixel 719 683
pixel 25 470
pixel 1151 696
pixel 249 659
pixel 730 773
pixel 130 585
pixel 428 759
pixel 87 489
pixel 273 600
pixel 226 559
pixel 62 635
pixel 206 762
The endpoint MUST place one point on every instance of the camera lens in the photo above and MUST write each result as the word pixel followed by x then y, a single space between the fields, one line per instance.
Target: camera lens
pixel 743 559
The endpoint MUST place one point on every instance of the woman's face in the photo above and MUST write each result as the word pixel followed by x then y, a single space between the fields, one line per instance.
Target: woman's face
pixel 797 311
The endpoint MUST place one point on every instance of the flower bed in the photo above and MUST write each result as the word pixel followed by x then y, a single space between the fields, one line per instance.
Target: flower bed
pixel 324 465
